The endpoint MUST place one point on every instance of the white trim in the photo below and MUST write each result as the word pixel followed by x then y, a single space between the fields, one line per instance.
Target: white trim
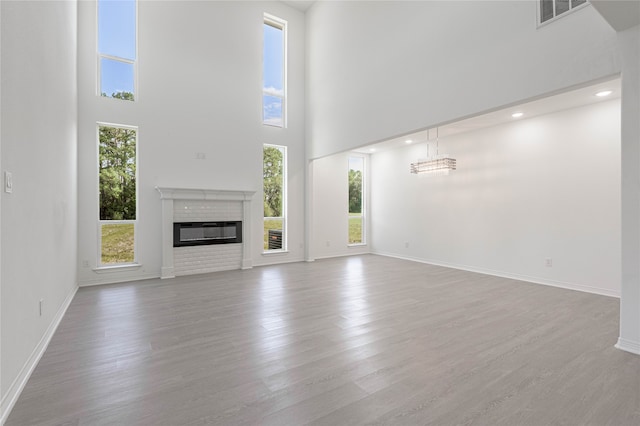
pixel 119 267
pixel 116 279
pixel 519 277
pixel 274 252
pixel 333 256
pixel 14 391
pixel 628 346
pixel 287 260
pixel 168 193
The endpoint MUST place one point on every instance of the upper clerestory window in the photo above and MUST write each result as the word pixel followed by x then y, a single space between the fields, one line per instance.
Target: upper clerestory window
pixel 550 9
pixel 274 71
pixel 117 37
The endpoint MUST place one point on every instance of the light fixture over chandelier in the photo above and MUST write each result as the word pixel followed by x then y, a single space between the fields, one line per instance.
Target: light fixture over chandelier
pixel 438 164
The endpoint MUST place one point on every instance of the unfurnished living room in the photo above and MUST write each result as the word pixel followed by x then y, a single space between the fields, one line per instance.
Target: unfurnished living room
pixel 320 212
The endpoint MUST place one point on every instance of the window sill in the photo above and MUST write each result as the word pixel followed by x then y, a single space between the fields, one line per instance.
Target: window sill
pixel 273 252
pixel 357 245
pixel 117 268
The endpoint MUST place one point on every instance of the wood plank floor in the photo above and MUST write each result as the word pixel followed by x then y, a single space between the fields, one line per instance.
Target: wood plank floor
pixel 357 340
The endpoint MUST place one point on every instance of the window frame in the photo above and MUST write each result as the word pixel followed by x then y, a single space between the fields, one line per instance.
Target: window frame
pixel 100 56
pixel 285 230
pixel 555 17
pixel 282 25
pixel 363 201
pixel 101 222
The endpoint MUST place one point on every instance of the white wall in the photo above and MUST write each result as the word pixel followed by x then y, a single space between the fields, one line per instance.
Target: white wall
pixel 39 142
pixel 330 204
pixel 377 70
pixel 544 187
pixel 200 90
pixel 630 300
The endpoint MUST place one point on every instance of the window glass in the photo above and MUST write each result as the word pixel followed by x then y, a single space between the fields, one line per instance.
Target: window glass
pixel 116 79
pixel 117 48
pixel 274 189
pixel 356 200
pixel 546 10
pixel 117 28
pixel 561 6
pixel 117 194
pixel 273 72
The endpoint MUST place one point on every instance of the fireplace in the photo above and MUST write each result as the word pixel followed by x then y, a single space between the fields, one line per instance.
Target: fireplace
pixel 209 249
pixel 205 233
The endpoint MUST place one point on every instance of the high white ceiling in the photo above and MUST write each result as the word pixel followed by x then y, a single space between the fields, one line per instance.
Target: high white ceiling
pixel 301 5
pixel 566 100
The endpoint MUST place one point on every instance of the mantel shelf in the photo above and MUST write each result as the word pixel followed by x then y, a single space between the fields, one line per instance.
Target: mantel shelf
pixel 167 193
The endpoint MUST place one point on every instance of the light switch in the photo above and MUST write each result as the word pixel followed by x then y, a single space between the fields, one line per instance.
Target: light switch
pixel 8 182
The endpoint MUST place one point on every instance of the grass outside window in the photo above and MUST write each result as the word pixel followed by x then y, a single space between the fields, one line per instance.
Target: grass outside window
pixel 355 228
pixel 117 243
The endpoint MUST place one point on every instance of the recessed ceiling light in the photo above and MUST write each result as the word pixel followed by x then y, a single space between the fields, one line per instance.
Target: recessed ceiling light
pixel 604 93
pixel 408 141
pixel 517 114
pixel 372 150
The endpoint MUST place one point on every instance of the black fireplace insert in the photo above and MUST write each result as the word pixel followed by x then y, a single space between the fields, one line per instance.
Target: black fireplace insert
pixel 205 233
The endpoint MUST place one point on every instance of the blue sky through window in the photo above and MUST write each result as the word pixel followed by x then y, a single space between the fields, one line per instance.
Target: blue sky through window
pixel 116 76
pixel 117 28
pixel 117 37
pixel 273 75
pixel 356 163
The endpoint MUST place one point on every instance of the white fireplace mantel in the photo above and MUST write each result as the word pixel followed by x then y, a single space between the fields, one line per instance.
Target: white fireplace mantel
pixel 204 194
pixel 168 195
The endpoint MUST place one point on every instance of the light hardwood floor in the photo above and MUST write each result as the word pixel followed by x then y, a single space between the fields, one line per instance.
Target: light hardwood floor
pixel 354 340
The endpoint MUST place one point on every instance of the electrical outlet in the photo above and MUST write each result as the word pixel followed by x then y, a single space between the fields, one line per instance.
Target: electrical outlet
pixel 548 262
pixel 41 306
pixel 85 263
pixel 406 244
pixel 201 156
pixel 328 243
pixel 8 182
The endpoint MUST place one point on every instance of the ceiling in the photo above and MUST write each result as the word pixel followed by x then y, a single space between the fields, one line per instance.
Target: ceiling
pixel 566 100
pixel 620 14
pixel 301 5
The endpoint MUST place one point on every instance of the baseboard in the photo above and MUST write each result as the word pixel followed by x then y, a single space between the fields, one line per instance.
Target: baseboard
pixel 628 346
pixel 14 391
pixel 279 262
pixel 519 277
pixel 117 280
pixel 333 256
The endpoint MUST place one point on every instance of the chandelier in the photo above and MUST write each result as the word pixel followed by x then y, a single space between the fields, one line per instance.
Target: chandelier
pixel 438 164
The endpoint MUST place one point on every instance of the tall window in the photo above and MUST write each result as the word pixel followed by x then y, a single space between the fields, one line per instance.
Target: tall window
pixel 117 48
pixel 549 9
pixel 274 71
pixel 274 175
pixel 356 200
pixel 118 194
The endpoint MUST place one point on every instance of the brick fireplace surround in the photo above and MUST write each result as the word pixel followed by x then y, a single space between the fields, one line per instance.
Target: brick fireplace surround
pixel 200 205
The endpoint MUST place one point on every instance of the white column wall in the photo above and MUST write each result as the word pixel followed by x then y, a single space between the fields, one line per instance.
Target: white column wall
pixel 629 339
